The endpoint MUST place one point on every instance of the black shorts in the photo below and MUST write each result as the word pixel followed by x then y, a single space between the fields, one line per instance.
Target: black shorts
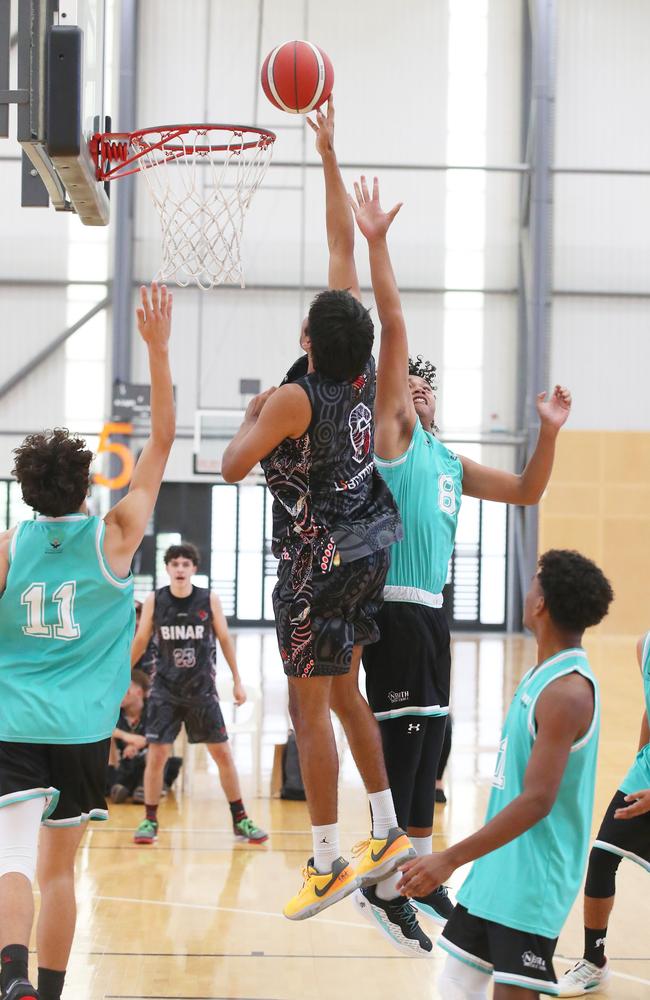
pixel 203 720
pixel 629 838
pixel 408 670
pixel 511 957
pixel 69 777
pixel 319 616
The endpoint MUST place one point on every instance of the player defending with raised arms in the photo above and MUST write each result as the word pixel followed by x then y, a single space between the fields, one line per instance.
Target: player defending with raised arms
pixel 530 855
pixel 408 670
pixel 186 622
pixel 66 625
pixel 624 833
pixel 334 521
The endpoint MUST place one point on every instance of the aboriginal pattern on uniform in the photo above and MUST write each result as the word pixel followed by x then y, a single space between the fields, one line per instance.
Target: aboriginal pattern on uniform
pixel 332 517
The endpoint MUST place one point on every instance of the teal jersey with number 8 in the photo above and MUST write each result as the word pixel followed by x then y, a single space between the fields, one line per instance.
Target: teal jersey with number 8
pixel 66 627
pixel 427 484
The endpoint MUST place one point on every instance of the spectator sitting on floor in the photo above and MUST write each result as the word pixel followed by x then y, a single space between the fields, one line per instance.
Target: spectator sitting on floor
pixel 129 745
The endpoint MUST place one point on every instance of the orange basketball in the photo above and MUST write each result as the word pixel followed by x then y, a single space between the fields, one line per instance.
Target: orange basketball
pixel 297 77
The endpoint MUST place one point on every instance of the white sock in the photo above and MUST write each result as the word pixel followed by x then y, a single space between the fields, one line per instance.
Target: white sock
pixel 387 888
pixel 326 846
pixel 383 813
pixel 422 845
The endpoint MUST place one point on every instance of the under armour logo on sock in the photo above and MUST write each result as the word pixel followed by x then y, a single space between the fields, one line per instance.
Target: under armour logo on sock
pixel 600 942
pixel 414 727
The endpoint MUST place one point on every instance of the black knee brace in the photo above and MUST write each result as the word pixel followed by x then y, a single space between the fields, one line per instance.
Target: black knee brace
pixel 601 873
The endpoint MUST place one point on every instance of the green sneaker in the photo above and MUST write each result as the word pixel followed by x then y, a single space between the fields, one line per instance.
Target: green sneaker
pixel 246 830
pixel 147 832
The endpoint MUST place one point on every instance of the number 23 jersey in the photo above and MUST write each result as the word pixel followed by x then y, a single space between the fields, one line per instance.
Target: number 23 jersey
pixel 186 646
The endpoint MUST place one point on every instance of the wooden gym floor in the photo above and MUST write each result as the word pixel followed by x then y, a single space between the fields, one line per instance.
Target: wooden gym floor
pixel 197 916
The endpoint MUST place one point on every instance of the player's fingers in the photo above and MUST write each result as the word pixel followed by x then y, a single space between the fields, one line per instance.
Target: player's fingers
pixel 330 107
pixel 139 313
pixel 144 298
pixel 364 188
pixel 541 396
pixel 170 303
pixel 394 210
pixel 375 189
pixel 313 126
pixel 353 204
pixel 359 196
pixel 155 296
pixel 163 300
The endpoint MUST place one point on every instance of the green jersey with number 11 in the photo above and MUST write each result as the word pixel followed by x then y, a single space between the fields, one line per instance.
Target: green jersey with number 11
pixel 66 627
pixel 427 484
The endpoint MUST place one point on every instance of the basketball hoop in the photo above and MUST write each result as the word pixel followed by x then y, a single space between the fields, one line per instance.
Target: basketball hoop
pixel 202 179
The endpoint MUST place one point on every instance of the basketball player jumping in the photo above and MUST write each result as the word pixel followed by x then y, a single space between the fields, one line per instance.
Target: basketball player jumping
pixel 624 833
pixel 530 856
pixel 408 670
pixel 185 622
pixel 334 521
pixel 66 623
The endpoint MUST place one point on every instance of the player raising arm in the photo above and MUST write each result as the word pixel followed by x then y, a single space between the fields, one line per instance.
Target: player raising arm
pixel 427 480
pixel 66 624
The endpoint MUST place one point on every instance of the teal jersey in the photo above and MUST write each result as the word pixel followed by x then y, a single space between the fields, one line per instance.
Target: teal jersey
pixel 638 777
pixel 66 627
pixel 427 484
pixel 530 884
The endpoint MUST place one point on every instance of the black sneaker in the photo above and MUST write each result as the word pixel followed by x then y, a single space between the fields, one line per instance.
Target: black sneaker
pixel 440 796
pixel 20 989
pixel 438 905
pixel 396 919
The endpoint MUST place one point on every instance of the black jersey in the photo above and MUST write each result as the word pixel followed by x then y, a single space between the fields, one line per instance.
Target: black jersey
pixel 327 492
pixel 186 645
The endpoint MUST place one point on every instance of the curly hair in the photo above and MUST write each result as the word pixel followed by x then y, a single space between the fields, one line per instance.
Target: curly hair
pixel 577 593
pixel 53 469
pixel 183 551
pixel 423 369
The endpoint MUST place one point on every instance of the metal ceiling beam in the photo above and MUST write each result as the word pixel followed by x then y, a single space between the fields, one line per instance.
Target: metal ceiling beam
pixel 52 346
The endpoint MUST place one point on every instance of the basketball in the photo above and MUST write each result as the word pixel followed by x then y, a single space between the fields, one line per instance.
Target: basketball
pixel 297 77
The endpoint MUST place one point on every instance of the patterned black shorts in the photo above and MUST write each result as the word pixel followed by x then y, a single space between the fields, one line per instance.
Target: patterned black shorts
pixel 321 618
pixel 203 720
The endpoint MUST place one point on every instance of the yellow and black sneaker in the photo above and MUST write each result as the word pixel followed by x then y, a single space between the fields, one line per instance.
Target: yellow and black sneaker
pixel 320 890
pixel 380 857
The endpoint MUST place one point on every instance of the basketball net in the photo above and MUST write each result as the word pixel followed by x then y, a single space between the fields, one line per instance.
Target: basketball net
pixel 202 193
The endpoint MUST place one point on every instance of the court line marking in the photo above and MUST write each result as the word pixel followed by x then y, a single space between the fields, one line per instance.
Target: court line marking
pixel 207 829
pixel 632 979
pixel 225 909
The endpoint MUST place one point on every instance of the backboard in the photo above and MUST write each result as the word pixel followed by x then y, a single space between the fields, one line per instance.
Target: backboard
pixel 213 431
pixel 61 70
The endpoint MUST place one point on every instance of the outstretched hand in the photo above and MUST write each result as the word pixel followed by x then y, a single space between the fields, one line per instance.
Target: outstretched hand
pixel 554 412
pixel 155 315
pixel 373 222
pixel 324 128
